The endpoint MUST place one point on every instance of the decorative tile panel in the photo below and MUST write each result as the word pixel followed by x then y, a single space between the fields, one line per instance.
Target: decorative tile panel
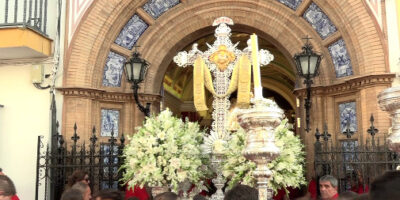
pixel 106 185
pixel 350 154
pixel 109 122
pixel 105 151
pixel 105 148
pixel 156 8
pixel 319 21
pixel 131 32
pixel 347 112
pixel 341 59
pixel 293 4
pixel 113 70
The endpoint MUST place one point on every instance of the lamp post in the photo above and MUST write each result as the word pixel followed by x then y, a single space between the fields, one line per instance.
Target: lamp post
pixel 135 70
pixel 307 64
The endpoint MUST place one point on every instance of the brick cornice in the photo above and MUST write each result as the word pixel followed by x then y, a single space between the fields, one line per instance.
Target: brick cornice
pixel 98 94
pixel 350 85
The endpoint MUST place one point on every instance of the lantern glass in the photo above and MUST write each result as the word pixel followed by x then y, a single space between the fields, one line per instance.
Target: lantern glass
pixel 128 71
pixel 308 64
pixel 137 69
pixel 304 65
pixel 313 65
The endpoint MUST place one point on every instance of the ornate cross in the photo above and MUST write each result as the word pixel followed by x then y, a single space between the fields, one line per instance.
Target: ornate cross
pixel 372 130
pixel 348 131
pixel 221 60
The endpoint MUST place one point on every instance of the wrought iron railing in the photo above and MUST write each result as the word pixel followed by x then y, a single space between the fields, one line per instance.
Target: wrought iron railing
pixel 354 163
pixel 56 162
pixel 25 13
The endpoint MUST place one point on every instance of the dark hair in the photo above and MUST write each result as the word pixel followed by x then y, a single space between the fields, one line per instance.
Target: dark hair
pixel 199 197
pixel 82 187
pixel 133 198
pixel 166 196
pixel 76 176
pixel 111 194
pixel 386 187
pixel 347 195
pixel 242 192
pixel 361 197
pixel 7 187
pixel 72 194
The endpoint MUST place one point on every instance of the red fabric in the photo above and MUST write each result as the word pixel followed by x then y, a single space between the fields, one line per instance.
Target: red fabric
pixel 312 189
pixel 360 189
pixel 280 195
pixel 293 193
pixel 138 192
pixel 336 196
pixel 15 197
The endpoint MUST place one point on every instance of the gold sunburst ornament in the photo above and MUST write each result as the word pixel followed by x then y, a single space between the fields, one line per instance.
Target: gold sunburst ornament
pixel 222 57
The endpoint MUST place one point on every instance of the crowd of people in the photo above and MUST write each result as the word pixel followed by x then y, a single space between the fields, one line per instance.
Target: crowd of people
pixel 385 187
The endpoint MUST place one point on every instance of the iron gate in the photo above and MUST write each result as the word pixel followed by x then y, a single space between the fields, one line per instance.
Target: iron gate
pixel 101 161
pixel 354 163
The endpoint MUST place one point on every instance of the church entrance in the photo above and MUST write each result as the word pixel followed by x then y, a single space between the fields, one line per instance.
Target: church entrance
pixel 278 81
pixel 96 92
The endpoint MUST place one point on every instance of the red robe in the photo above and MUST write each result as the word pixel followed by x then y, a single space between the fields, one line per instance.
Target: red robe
pixel 138 192
pixel 15 197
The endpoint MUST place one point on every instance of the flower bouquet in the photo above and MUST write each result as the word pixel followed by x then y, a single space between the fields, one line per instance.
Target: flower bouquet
pixel 165 151
pixel 287 169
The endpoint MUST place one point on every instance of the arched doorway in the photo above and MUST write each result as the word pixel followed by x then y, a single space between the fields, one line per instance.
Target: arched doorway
pixel 350 42
pixel 278 80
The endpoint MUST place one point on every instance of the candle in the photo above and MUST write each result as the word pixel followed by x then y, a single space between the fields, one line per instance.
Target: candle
pixel 256 67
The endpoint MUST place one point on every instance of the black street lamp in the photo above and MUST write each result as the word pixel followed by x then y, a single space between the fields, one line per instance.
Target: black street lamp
pixel 135 70
pixel 307 64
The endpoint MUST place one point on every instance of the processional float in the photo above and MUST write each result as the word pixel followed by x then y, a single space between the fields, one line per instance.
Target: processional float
pixel 223 69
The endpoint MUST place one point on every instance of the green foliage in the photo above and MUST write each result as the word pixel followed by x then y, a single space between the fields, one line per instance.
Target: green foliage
pixel 287 168
pixel 165 151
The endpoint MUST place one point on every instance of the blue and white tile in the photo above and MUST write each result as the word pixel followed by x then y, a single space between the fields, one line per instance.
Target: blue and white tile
pixel 131 32
pixel 319 21
pixel 349 149
pixel 156 8
pixel 293 4
pixel 348 113
pixel 341 59
pixel 106 185
pixel 109 122
pixel 106 153
pixel 113 70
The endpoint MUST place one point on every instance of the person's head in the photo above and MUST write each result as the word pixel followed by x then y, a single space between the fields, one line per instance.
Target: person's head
pixel 109 194
pixel 133 198
pixel 199 197
pixel 7 188
pixel 348 195
pixel 1 171
pixel 328 186
pixel 166 196
pixel 386 186
pixel 242 192
pixel 364 196
pixel 78 176
pixel 84 190
pixel 72 194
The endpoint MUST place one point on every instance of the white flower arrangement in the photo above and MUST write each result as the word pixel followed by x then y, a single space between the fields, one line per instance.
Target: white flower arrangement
pixel 165 151
pixel 287 169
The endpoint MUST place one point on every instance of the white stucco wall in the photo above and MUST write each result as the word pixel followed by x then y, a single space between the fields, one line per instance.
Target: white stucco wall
pixel 26 114
pixel 393 38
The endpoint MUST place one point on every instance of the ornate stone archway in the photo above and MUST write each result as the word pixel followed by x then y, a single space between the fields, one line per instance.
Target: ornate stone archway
pixel 85 96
